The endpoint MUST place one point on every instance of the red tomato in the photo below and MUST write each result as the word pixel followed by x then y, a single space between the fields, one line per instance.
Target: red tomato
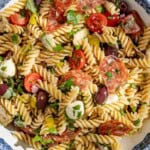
pixel 113 72
pixel 85 5
pixel 77 61
pixel 112 20
pixel 20 19
pixel 79 78
pixel 96 21
pixel 30 80
pixel 113 127
pixel 66 136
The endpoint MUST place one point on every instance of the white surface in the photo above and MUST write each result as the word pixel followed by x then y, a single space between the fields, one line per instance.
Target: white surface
pixel 130 141
pixel 127 142
pixel 9 4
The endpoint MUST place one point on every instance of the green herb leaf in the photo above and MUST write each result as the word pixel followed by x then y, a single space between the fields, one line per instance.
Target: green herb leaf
pixel 15 38
pixel 109 75
pixel 71 33
pixel 3 68
pixel 122 112
pixel 22 13
pixel 39 138
pixel 100 9
pixel 77 47
pixel 117 71
pixel 19 122
pixel 54 105
pixel 110 17
pixel 79 114
pixel 137 122
pixel 118 3
pixel 133 108
pixel 30 5
pixel 66 86
pixel 77 107
pixel 1 58
pixel 52 130
pixel 73 17
pixel 133 85
pixel 58 48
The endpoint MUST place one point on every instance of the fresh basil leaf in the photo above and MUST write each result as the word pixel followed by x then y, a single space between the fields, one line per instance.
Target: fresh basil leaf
pixel 58 48
pixel 66 86
pixel 30 5
pixel 54 105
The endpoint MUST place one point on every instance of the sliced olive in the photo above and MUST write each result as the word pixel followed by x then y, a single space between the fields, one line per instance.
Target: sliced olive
pixel 42 99
pixel 3 89
pixel 123 7
pixel 110 50
pixel 101 95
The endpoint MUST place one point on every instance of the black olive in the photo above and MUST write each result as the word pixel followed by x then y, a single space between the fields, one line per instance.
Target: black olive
pixel 42 99
pixel 109 50
pixel 123 7
pixel 101 95
pixel 3 89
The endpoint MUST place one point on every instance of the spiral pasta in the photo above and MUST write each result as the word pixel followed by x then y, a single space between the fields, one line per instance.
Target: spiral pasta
pixel 68 79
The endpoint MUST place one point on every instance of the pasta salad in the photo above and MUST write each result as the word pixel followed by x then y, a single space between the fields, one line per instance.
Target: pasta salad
pixel 74 74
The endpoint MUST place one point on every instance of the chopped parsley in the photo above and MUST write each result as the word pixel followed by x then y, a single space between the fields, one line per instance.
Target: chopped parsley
pixel 117 71
pixel 1 58
pixel 118 3
pixel 58 48
pixel 100 9
pixel 79 114
pixel 30 5
pixel 19 122
pixel 66 86
pixel 133 85
pixel 122 112
pixel 22 13
pixel 15 38
pixel 109 75
pixel 3 68
pixel 54 105
pixel 39 138
pixel 133 108
pixel 77 107
pixel 71 33
pixel 73 17
pixel 77 47
pixel 137 122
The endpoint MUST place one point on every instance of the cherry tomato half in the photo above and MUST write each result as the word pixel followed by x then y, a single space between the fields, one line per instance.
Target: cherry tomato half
pixel 112 20
pixel 77 61
pixel 96 21
pixel 113 127
pixel 21 18
pixel 30 80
